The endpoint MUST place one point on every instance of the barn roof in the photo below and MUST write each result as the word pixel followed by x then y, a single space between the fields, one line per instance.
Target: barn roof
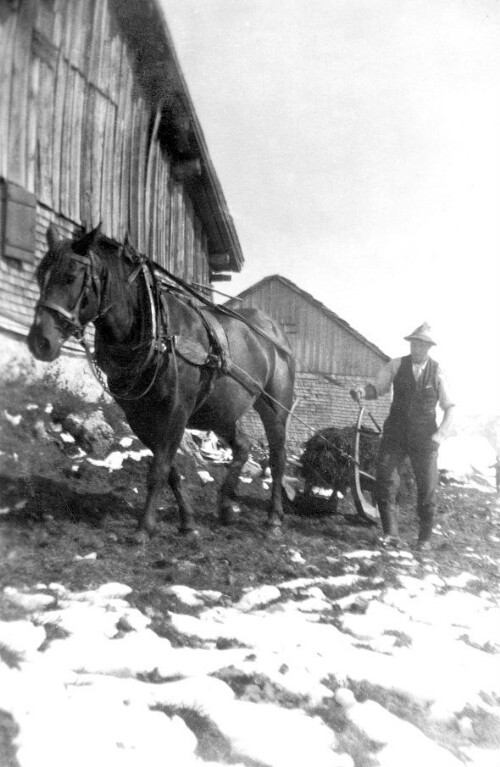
pixel 309 298
pixel 159 72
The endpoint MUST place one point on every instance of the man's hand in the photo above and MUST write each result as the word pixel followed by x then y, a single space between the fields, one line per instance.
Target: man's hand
pixel 437 438
pixel 357 393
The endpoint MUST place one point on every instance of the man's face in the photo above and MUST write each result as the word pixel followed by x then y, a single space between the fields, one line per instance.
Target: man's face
pixel 419 350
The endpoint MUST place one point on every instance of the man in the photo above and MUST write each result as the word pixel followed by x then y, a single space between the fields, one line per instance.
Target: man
pixel 410 430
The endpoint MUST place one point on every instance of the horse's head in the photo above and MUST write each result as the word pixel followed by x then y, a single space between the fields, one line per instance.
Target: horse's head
pixel 69 281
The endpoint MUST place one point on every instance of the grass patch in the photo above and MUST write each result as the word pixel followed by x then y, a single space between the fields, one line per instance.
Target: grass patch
pixel 212 745
pixel 349 739
pixel 444 735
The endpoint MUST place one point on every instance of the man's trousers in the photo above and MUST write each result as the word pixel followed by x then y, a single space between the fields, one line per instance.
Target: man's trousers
pixel 423 457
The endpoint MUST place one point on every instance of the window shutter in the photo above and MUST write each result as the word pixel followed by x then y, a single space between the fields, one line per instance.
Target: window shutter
pixel 18 222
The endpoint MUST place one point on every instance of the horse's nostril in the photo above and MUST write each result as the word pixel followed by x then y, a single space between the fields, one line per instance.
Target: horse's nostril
pixel 39 345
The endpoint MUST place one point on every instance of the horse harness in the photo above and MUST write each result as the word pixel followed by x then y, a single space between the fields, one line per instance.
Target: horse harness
pixel 214 358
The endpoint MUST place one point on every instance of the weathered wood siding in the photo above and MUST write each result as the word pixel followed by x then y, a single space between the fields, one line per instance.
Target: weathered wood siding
pixel 320 342
pixel 331 358
pixel 77 131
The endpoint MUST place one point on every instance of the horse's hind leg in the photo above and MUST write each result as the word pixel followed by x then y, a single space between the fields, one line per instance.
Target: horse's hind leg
pixel 240 445
pixel 185 510
pixel 275 427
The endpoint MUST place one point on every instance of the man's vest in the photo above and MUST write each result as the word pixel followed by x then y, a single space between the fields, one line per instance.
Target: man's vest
pixel 412 416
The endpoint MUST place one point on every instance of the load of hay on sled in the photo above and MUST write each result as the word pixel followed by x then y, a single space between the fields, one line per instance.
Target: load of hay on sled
pixel 326 466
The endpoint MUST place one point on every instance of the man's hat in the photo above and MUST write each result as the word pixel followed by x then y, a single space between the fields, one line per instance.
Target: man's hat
pixel 422 333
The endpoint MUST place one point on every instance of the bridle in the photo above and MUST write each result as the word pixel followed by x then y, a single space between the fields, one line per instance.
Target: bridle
pixel 91 280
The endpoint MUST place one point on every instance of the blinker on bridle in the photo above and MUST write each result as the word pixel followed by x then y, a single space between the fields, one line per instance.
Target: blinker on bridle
pixel 71 317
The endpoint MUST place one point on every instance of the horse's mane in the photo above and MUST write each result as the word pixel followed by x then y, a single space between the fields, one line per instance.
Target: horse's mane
pixel 117 288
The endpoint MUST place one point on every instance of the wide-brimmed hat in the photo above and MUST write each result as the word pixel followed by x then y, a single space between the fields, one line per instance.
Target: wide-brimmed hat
pixel 422 333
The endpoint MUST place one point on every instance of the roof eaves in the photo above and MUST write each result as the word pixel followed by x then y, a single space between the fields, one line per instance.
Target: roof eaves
pixel 145 24
pixel 213 187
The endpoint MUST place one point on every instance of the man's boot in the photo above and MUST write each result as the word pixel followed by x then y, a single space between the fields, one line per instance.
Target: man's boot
pixel 389 522
pixel 424 534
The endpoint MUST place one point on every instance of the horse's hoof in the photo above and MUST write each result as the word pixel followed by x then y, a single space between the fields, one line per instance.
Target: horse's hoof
pixel 275 531
pixel 187 530
pixel 190 534
pixel 226 517
pixel 228 513
pixel 140 538
pixel 391 542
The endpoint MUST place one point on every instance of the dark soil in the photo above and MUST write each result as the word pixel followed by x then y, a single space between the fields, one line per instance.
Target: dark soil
pixel 56 510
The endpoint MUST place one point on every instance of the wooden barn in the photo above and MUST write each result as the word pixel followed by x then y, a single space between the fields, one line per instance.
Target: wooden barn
pixel 97 124
pixel 331 357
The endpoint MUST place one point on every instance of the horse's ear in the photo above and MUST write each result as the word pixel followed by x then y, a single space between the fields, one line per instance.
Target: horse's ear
pixel 52 236
pixel 128 250
pixel 87 241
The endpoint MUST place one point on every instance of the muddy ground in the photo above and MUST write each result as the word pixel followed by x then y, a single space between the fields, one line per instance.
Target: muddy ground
pixel 73 522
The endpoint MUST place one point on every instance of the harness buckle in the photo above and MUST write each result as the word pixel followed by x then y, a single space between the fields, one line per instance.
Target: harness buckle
pixel 217 359
pixel 166 344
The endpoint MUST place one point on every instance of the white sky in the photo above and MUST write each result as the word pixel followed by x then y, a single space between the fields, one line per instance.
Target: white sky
pixel 358 146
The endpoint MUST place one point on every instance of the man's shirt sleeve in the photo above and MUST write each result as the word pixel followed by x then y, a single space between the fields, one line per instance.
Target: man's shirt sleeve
pixel 383 380
pixel 445 395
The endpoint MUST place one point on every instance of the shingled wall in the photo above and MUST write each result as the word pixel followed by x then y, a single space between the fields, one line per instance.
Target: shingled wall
pixel 321 404
pixel 20 290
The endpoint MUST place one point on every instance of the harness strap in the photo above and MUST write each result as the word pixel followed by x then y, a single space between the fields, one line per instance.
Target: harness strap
pixel 154 310
pixel 217 336
pixel 216 358
pixel 69 316
pixel 222 309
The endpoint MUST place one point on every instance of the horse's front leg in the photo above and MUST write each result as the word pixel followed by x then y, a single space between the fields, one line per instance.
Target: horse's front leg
pixel 159 471
pixel 162 470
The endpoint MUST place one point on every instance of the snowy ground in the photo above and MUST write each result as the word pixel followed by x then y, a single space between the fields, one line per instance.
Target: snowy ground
pixel 370 657
pixel 285 677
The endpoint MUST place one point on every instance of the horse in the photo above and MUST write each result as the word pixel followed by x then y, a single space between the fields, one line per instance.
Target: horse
pixel 170 363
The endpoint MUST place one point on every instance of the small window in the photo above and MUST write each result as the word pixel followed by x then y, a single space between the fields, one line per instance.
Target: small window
pixel 18 222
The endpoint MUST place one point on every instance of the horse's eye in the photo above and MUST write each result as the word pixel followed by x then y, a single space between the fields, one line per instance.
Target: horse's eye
pixel 69 279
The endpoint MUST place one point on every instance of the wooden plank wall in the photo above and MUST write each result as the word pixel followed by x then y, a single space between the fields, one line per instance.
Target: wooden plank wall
pixel 74 130
pixel 319 342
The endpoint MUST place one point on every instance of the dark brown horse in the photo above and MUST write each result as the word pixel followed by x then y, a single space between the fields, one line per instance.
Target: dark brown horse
pixel 168 364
